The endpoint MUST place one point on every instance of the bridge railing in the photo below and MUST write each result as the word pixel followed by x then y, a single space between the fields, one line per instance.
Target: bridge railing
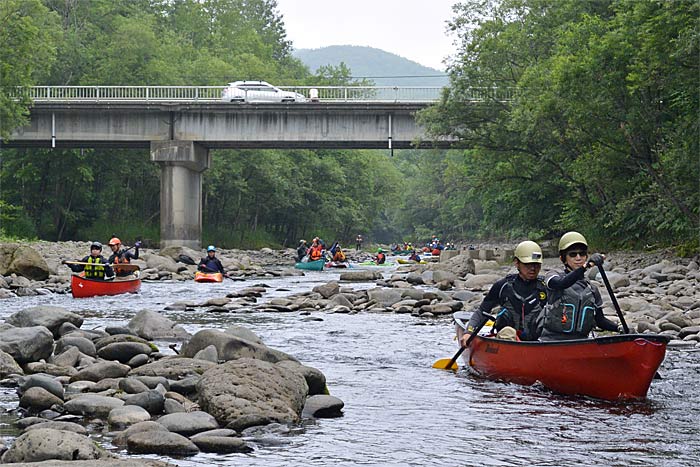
pixel 406 94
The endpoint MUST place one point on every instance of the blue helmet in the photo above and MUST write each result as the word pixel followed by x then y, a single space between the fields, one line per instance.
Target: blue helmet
pixel 211 248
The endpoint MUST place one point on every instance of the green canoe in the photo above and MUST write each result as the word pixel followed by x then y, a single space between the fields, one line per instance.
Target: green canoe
pixel 311 265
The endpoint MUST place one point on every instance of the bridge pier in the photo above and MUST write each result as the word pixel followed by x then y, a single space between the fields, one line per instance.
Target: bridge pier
pixel 182 164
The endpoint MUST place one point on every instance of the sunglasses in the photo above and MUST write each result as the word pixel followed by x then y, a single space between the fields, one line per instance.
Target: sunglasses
pixel 574 254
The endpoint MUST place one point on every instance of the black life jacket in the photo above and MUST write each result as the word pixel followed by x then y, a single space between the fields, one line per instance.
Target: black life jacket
pixel 570 313
pixel 521 312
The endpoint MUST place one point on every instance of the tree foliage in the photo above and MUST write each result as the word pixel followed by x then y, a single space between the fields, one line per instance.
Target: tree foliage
pixel 602 135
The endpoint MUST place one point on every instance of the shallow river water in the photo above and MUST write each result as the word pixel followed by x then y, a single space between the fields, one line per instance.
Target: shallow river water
pixel 401 412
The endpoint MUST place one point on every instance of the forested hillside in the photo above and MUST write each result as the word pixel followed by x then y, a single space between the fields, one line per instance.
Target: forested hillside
pixel 384 68
pixel 601 136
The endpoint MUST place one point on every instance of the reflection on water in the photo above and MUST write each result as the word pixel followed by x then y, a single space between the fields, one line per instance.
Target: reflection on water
pixel 401 412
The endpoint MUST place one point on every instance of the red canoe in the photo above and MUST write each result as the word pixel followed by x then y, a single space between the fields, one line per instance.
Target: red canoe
pixel 208 277
pixel 617 367
pixel 82 287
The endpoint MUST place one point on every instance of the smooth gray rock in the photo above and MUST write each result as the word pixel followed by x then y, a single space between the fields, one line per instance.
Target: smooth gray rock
pixel 37 399
pixel 221 444
pixel 44 444
pixel 132 386
pixel 253 391
pixel 8 365
pixel 160 442
pixel 85 345
pixel 188 424
pixel 42 381
pixel 127 415
pixel 231 347
pixel 60 425
pixel 27 344
pixel 151 325
pixel 208 353
pixel 92 405
pixel 120 438
pixel 123 351
pixel 100 371
pixel 151 400
pixel 51 317
pixel 323 406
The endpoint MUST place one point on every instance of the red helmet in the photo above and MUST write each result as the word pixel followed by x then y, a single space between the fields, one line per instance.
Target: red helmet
pixel 115 241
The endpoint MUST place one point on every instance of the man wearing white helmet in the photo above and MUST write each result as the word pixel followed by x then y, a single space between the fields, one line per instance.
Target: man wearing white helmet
pixel 574 306
pixel 521 296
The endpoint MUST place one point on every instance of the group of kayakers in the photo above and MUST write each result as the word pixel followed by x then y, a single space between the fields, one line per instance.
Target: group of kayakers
pixel 562 305
pixel 95 266
pixel 317 251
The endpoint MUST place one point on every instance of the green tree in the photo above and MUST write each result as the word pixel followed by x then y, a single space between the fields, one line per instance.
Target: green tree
pixel 28 36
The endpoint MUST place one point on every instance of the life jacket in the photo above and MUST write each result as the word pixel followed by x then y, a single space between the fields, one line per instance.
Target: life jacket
pixel 339 256
pixel 316 252
pixel 570 313
pixel 435 252
pixel 521 312
pixel 120 258
pixel 381 258
pixel 94 270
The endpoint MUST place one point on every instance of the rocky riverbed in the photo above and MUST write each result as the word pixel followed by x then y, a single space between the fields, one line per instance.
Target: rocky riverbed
pixel 207 398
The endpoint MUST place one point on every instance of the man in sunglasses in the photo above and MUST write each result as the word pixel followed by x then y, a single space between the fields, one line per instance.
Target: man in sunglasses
pixel 520 296
pixel 574 306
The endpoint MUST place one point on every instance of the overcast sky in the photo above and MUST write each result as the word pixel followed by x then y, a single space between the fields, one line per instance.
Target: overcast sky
pixel 414 29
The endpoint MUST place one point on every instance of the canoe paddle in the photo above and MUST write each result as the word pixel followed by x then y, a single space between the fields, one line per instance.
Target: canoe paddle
pixel 127 266
pixel 451 363
pixel 613 299
pixel 617 306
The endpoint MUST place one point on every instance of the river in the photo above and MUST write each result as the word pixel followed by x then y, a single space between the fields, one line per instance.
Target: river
pixel 399 411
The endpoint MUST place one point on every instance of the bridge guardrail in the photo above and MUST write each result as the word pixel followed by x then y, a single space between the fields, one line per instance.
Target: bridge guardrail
pixel 405 94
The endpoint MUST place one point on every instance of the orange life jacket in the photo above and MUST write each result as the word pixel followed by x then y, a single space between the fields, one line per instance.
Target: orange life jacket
pixel 315 252
pixel 120 260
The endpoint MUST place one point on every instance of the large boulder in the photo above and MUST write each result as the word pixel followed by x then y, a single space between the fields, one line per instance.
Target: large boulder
pixel 45 444
pixel 230 347
pixel 247 392
pixel 386 297
pixel 44 315
pixel 8 365
pixel 27 344
pixel 152 325
pixel 164 263
pixel 22 260
pixel 363 275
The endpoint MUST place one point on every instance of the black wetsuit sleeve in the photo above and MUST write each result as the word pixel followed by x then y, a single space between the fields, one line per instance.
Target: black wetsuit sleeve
pixel 132 254
pixel 491 300
pixel 559 282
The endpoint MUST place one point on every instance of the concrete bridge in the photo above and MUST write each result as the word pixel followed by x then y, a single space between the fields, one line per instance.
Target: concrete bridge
pixel 179 125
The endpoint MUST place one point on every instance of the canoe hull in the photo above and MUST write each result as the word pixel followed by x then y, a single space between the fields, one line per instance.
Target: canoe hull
pixel 336 264
pixel 619 367
pixel 83 288
pixel 311 265
pixel 408 261
pixel 208 277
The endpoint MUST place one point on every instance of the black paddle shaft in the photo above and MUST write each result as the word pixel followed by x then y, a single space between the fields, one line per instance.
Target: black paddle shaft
pixel 469 341
pixel 614 300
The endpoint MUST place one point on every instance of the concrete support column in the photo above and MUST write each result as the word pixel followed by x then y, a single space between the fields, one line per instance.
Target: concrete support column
pixel 182 164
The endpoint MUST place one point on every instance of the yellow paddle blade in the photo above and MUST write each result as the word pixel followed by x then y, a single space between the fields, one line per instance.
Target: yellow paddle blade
pixel 443 362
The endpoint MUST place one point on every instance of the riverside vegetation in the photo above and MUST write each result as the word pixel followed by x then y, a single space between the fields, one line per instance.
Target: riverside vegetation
pixel 600 136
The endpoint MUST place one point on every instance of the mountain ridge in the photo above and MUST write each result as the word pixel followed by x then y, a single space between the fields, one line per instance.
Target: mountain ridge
pixel 382 67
